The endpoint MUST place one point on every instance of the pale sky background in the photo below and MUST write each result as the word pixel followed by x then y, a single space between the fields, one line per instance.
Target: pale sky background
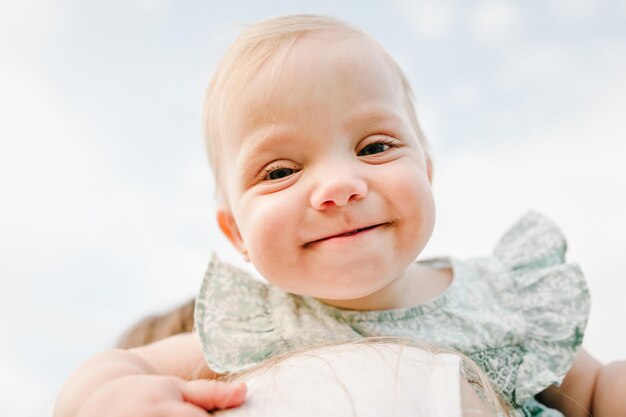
pixel 106 208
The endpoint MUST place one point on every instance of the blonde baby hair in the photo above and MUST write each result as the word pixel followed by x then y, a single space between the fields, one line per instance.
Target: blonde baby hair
pixel 273 37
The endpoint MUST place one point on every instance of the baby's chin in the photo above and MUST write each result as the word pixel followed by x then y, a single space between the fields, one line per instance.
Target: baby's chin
pixel 352 293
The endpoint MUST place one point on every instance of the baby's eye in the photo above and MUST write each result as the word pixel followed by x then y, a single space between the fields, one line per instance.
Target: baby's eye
pixel 374 148
pixel 278 173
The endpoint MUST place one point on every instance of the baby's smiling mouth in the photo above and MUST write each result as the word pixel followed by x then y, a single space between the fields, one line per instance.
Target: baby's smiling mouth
pixel 348 233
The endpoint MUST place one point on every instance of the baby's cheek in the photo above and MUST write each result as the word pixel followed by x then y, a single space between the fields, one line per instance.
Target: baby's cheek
pixel 266 232
pixel 259 227
pixel 418 212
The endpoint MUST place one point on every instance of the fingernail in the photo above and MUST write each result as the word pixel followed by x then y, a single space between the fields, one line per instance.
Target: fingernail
pixel 237 394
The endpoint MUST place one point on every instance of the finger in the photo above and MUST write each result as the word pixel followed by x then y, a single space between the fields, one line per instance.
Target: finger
pixel 212 394
pixel 182 410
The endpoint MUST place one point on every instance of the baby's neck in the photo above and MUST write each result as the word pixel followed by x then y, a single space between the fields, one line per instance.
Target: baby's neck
pixel 418 285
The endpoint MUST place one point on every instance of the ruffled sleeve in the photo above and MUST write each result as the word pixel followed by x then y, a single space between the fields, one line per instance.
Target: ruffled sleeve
pixel 233 320
pixel 549 296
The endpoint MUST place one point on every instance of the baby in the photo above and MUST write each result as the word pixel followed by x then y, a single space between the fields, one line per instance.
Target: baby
pixel 324 183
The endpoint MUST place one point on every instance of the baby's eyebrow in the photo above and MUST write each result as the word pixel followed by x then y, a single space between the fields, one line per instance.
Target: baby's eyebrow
pixel 374 115
pixel 262 144
pixel 262 141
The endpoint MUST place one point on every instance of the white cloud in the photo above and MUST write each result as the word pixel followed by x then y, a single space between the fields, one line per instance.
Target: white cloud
pixel 463 95
pixel 24 395
pixel 495 22
pixel 12 14
pixel 576 10
pixel 528 63
pixel 40 168
pixel 152 5
pixel 40 160
pixel 27 22
pixel 431 20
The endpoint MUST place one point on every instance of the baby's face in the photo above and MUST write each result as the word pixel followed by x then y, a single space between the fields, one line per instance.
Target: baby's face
pixel 328 187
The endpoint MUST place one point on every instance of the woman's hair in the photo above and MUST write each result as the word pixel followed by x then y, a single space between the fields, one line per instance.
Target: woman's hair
pixel 472 373
pixel 258 43
pixel 159 326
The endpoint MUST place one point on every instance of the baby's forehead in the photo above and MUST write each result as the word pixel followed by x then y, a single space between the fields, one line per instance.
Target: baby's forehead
pixel 316 54
pixel 316 68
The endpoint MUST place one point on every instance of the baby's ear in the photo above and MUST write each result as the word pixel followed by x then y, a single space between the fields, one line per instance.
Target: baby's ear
pixel 229 227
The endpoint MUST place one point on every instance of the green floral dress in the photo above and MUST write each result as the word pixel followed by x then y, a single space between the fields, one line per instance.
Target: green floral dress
pixel 519 314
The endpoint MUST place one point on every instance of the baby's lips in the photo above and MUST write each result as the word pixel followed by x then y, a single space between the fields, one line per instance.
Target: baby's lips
pixel 351 232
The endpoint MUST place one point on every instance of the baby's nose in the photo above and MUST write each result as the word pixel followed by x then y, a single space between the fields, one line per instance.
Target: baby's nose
pixel 338 191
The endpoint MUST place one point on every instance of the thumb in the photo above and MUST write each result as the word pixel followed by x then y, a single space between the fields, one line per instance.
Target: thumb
pixel 210 394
